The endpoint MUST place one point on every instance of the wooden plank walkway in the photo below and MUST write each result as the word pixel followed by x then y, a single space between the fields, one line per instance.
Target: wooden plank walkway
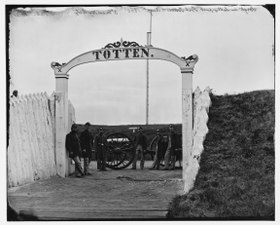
pixel 111 195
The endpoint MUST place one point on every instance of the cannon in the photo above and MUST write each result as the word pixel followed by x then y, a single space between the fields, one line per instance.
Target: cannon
pixel 121 150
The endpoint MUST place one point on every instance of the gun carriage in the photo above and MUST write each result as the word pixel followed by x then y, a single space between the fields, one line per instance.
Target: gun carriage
pixel 121 150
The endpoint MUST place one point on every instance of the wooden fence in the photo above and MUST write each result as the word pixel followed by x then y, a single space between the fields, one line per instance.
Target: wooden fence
pixel 31 154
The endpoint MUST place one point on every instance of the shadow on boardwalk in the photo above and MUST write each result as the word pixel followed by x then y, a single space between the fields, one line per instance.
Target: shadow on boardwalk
pixel 108 195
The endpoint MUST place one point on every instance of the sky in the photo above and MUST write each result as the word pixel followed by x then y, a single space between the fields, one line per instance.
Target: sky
pixel 234 46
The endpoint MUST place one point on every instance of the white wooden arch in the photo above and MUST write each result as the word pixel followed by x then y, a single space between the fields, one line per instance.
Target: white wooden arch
pixel 121 50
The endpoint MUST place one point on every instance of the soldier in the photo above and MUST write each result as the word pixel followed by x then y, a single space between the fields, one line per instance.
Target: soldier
pixel 141 145
pixel 170 152
pixel 100 142
pixel 86 144
pixel 73 147
pixel 159 151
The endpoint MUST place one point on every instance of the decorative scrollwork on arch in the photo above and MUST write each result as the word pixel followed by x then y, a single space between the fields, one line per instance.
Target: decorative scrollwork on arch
pixel 131 44
pixel 122 44
pixel 113 45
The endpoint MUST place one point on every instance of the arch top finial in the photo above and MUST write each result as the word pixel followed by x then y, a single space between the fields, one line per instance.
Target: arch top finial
pixel 191 60
pixel 57 67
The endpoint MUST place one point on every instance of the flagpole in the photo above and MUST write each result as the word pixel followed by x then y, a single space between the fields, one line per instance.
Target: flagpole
pixel 149 40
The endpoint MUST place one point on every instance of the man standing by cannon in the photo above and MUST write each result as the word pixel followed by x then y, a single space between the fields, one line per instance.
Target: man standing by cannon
pixel 160 150
pixel 73 147
pixel 141 145
pixel 170 152
pixel 86 144
pixel 100 142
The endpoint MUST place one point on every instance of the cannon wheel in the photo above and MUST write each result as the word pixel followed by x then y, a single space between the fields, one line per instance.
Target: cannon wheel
pixel 120 151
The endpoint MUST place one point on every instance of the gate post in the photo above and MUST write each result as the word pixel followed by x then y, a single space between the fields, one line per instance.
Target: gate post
pixel 187 120
pixel 187 115
pixel 61 123
pixel 61 119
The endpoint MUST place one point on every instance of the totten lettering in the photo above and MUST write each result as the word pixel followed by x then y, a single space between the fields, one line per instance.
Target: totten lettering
pixel 128 53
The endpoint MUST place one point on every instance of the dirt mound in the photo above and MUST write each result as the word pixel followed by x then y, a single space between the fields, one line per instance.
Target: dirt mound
pixel 237 167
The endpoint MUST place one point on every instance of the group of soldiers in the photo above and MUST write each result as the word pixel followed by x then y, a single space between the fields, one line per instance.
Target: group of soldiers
pixel 165 150
pixel 80 146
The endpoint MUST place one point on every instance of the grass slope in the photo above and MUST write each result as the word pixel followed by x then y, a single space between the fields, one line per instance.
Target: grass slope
pixel 236 176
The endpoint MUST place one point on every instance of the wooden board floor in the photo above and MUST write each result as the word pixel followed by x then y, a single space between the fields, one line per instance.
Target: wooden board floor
pixel 111 195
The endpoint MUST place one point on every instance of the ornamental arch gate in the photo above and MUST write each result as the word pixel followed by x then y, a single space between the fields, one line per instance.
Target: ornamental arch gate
pixel 121 50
